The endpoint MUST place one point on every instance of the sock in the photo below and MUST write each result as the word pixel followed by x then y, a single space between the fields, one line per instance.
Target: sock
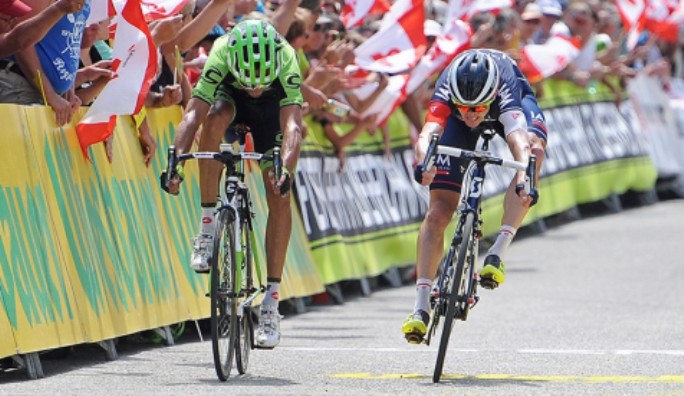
pixel 272 296
pixel 207 224
pixel 423 288
pixel 503 240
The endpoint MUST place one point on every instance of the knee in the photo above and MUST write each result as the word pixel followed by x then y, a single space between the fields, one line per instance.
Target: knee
pixel 438 217
pixel 220 114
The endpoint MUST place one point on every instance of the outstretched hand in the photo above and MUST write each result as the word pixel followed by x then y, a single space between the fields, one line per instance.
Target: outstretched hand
pixel 70 6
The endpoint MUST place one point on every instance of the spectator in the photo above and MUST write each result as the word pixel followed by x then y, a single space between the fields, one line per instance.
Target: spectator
pixel 52 64
pixel 551 12
pixel 531 20
pixel 15 38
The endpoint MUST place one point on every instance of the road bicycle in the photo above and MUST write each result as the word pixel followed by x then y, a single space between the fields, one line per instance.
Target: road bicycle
pixel 455 290
pixel 234 285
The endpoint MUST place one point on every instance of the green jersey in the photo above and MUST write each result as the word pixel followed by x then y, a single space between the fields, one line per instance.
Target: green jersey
pixel 216 72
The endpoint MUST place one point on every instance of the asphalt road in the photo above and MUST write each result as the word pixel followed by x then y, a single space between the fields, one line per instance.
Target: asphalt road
pixel 590 307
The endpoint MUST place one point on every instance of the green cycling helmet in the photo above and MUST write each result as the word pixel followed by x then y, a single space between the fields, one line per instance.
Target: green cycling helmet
pixel 254 53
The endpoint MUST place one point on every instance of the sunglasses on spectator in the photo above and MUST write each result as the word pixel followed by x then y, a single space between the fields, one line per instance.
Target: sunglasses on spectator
pixel 324 28
pixel 533 21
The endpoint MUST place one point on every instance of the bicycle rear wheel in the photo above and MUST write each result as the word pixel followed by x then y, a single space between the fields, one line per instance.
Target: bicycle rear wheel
pixel 223 295
pixel 245 336
pixel 457 290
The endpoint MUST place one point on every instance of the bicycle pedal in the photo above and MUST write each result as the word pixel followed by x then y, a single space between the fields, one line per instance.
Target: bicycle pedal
pixel 414 338
pixel 489 283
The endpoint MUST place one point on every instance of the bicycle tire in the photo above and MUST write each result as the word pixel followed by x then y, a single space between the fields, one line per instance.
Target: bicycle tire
pixel 245 335
pixel 223 295
pixel 455 286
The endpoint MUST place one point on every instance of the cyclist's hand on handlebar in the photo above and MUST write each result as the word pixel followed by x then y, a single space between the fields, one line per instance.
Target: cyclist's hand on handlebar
pixel 423 177
pixel 173 184
pixel 282 186
pixel 528 199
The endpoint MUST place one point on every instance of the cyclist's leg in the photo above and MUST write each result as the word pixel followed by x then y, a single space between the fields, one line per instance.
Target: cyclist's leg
pixel 514 210
pixel 220 115
pixel 444 197
pixel 263 118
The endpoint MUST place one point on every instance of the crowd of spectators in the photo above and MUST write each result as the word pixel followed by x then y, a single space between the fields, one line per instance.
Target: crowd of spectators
pixel 50 56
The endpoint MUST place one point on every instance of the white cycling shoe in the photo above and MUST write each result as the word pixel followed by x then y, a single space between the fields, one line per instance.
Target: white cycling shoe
pixel 268 333
pixel 202 249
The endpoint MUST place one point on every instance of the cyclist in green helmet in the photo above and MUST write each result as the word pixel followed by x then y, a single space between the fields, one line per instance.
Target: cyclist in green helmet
pixel 251 78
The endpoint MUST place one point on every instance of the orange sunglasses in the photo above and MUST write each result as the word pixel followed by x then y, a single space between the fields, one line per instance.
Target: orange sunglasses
pixel 474 109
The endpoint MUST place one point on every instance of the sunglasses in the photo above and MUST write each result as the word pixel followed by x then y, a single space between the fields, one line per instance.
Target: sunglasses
pixel 319 27
pixel 473 109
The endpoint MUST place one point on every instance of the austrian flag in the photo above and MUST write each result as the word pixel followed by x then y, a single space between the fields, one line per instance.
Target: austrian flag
pixel 134 66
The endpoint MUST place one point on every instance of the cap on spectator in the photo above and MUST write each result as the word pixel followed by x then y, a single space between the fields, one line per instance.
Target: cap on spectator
pixel 14 8
pixel 324 20
pixel 550 8
pixel 531 11
pixel 432 28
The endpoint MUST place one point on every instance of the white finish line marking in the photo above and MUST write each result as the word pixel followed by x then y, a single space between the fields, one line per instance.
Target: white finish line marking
pixel 620 352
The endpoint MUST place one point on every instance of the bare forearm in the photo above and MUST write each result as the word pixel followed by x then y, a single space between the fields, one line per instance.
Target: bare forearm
pixel 194 115
pixel 291 125
pixel 199 27
pixel 32 30
pixel 283 15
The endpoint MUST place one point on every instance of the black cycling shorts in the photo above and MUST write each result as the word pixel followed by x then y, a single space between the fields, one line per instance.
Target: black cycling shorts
pixel 450 170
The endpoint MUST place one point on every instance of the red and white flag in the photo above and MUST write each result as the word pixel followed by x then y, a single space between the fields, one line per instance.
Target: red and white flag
pixel 453 40
pixel 134 64
pixel 99 11
pixel 389 99
pixel 465 9
pixel 354 12
pixel 543 60
pixel 663 18
pixel 633 15
pixel 398 47
pixel 157 9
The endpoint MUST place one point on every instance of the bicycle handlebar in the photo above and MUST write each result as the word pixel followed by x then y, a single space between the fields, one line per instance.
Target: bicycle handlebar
pixel 227 157
pixel 530 168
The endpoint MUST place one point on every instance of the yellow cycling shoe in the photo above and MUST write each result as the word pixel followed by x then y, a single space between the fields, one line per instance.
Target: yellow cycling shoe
pixel 493 272
pixel 415 326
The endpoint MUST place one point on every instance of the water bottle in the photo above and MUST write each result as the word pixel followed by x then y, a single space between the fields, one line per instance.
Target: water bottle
pixel 338 108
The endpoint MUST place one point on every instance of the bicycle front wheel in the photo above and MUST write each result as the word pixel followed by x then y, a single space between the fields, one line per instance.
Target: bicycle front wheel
pixel 457 291
pixel 245 336
pixel 223 295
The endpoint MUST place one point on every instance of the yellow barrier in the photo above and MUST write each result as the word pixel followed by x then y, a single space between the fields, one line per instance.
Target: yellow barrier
pixel 92 251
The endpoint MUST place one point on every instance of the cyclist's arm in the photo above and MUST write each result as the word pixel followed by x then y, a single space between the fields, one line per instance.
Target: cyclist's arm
pixel 213 73
pixel 515 130
pixel 435 122
pixel 291 125
pixel 290 107
pixel 194 115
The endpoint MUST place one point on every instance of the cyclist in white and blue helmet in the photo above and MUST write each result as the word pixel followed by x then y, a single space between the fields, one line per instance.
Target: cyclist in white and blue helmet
pixel 480 87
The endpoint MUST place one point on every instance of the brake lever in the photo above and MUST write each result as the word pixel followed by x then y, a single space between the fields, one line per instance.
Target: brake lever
pixel 429 159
